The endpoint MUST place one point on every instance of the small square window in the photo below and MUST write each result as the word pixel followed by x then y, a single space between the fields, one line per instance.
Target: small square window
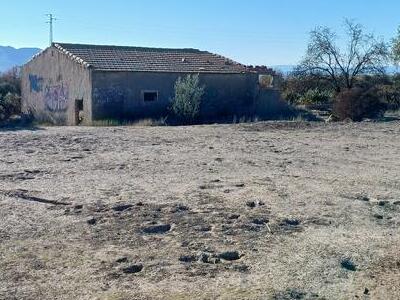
pixel 150 96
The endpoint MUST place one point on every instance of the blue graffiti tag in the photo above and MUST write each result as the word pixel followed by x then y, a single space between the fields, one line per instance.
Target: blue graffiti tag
pixel 108 95
pixel 56 97
pixel 36 83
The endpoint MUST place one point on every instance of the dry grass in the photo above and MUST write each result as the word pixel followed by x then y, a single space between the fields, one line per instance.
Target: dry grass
pixel 296 200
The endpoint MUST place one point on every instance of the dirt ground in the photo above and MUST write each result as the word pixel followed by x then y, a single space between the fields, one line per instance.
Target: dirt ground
pixel 251 211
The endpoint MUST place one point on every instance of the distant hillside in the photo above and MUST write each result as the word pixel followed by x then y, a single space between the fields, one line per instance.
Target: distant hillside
pixel 11 57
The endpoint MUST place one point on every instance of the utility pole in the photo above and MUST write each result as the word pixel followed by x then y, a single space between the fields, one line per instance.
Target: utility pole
pixel 50 22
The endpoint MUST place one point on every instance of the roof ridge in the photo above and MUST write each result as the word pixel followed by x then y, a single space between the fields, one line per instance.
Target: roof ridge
pixel 146 59
pixel 194 50
pixel 74 57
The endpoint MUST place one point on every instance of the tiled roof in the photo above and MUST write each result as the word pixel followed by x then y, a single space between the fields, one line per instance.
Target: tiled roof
pixel 138 59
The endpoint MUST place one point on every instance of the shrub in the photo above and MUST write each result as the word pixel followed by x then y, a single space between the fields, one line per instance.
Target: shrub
pixel 10 105
pixel 358 103
pixel 316 96
pixel 188 96
pixel 298 89
pixel 10 100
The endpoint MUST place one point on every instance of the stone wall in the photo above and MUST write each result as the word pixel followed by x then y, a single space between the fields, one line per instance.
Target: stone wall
pixel 51 83
pixel 120 94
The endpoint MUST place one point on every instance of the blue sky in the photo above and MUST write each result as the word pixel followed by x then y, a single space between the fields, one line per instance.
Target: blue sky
pixel 268 32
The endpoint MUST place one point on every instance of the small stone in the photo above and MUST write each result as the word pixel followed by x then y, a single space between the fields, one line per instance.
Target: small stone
pixel 229 255
pixel 180 208
pixel 260 221
pixel 122 260
pixel 157 229
pixel 366 291
pixel 91 221
pixel 251 204
pixel 121 207
pixel 396 203
pixel 379 217
pixel 214 260
pixel 187 258
pixel 133 269
pixel 78 206
pixel 382 203
pixel 204 258
pixel 234 217
pixel 348 264
pixel 292 222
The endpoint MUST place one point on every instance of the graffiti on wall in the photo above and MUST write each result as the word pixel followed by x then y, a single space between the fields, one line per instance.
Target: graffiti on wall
pixel 108 95
pixel 56 97
pixel 36 83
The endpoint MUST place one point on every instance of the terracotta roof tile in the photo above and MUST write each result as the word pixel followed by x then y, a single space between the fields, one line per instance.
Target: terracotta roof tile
pixel 138 59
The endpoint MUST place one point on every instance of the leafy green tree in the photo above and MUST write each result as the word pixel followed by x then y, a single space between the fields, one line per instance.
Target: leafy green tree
pixel 188 96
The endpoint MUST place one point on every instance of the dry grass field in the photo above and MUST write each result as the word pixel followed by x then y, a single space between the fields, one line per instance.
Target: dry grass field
pixel 252 211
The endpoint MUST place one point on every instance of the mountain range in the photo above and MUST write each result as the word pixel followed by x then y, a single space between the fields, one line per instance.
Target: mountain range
pixel 11 57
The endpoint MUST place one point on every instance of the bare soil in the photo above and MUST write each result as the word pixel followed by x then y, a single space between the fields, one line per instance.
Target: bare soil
pixel 254 211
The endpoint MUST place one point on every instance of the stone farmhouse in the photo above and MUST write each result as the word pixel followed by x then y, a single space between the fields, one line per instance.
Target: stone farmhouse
pixel 72 84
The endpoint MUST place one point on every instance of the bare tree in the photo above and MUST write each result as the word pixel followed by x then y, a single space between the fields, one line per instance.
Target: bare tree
pixel 396 47
pixel 362 54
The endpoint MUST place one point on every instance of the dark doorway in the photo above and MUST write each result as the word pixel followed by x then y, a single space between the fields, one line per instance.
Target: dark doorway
pixel 78 111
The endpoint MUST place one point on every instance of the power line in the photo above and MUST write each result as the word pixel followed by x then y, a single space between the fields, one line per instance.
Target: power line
pixel 50 22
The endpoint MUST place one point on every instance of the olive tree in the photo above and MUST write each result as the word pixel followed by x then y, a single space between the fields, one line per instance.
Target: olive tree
pixel 188 96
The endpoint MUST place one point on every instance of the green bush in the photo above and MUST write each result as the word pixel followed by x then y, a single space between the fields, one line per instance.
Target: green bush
pixel 187 100
pixel 358 103
pixel 10 90
pixel 316 96
pixel 298 89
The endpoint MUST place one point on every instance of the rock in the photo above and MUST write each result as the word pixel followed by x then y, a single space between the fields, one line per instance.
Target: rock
pixel 379 217
pixel 366 291
pixel 234 217
pixel 122 260
pixel 209 258
pixel 157 229
pixel 78 206
pixel 180 208
pixel 364 198
pixel 260 221
pixel 204 258
pixel 291 222
pixel 121 207
pixel 91 221
pixel 396 203
pixel 229 255
pixel 188 258
pixel 348 264
pixel 133 269
pixel 251 204
pixel 382 203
